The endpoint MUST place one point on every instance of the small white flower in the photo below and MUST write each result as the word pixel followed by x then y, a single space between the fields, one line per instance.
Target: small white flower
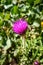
pixel 0 37
pixel 14 1
pixel 36 24
pixel 8 44
pixel 7 6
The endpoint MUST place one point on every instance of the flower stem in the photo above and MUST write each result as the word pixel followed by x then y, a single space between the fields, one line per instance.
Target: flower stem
pixel 23 42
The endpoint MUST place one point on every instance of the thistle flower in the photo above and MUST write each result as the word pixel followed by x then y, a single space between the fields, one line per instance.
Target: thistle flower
pixel 36 63
pixel 20 26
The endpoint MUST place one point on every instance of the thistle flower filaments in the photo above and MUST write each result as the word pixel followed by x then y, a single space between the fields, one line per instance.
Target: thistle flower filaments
pixel 20 26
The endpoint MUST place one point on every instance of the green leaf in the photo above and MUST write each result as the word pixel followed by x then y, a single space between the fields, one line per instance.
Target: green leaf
pixel 16 52
pixel 2 14
pixel 14 10
pixel 41 48
pixel 7 16
pixel 30 1
pixel 8 2
pixel 2 1
pixel 41 60
pixel 1 22
pixel 2 61
pixel 37 2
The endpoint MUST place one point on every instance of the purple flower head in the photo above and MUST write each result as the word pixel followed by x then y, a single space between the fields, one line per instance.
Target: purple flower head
pixel 20 26
pixel 36 63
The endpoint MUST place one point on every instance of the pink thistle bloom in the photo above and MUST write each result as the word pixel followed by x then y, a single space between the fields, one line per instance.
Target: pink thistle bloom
pixel 20 26
pixel 36 63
